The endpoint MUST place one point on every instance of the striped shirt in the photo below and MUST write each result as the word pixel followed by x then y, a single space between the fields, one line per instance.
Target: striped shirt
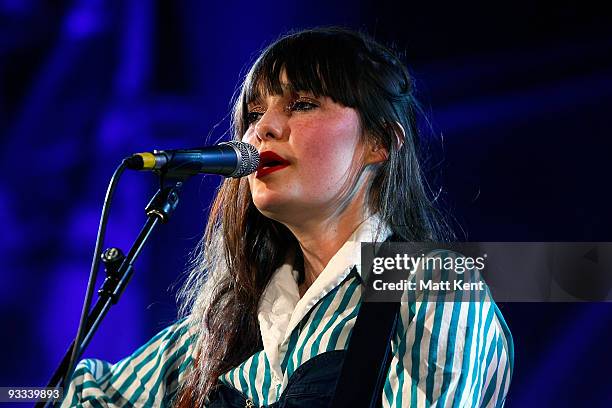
pixel 449 352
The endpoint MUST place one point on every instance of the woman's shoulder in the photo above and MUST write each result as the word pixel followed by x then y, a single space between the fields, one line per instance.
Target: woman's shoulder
pixel 147 376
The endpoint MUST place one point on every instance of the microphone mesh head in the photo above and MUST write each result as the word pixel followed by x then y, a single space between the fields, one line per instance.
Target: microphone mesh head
pixel 248 159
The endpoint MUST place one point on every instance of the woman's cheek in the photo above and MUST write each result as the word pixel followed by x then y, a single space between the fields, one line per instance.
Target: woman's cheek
pixel 248 137
pixel 337 160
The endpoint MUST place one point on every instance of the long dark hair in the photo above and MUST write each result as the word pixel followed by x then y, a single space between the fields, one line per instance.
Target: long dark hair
pixel 241 248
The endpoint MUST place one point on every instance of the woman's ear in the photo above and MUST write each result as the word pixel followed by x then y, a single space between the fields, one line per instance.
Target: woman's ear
pixel 376 153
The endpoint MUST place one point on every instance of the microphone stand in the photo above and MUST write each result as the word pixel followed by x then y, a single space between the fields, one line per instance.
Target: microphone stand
pixel 119 271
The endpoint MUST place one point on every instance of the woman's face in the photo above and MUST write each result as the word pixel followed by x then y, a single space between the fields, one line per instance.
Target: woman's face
pixel 310 151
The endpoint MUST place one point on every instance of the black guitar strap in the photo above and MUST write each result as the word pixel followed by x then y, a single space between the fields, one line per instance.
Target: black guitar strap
pixel 368 357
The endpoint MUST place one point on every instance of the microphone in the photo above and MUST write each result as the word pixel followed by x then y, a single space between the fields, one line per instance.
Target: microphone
pixel 229 159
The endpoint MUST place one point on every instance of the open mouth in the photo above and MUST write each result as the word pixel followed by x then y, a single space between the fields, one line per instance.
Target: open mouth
pixel 270 162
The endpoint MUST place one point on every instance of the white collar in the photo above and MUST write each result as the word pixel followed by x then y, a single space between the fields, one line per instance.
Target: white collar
pixel 281 309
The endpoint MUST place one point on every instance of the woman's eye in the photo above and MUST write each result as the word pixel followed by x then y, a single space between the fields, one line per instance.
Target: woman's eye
pixel 301 105
pixel 253 117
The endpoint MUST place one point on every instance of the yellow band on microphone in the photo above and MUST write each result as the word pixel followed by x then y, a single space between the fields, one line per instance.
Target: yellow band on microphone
pixel 148 160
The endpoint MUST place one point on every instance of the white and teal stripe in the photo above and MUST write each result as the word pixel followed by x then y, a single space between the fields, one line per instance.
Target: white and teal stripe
pixel 147 378
pixel 449 352
pixel 326 328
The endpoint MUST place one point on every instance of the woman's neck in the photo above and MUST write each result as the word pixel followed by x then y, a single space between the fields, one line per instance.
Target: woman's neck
pixel 321 238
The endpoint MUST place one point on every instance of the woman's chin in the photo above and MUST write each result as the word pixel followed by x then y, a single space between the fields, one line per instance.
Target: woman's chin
pixel 276 209
pixel 269 206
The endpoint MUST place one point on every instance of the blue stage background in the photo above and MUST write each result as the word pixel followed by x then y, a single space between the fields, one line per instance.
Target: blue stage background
pixel 521 94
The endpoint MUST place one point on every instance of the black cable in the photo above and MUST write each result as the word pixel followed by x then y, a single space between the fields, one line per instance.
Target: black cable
pixel 93 272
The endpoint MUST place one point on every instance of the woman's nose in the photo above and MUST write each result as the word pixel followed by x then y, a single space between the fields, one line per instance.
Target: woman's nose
pixel 270 126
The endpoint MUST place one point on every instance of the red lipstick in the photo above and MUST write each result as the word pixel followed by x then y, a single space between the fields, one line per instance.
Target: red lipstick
pixel 270 162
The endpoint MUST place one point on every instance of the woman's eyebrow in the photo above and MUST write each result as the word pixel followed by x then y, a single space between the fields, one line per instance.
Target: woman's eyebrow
pixel 256 100
pixel 288 89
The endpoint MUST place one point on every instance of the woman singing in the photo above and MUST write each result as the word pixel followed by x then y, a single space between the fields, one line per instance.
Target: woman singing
pixel 274 293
